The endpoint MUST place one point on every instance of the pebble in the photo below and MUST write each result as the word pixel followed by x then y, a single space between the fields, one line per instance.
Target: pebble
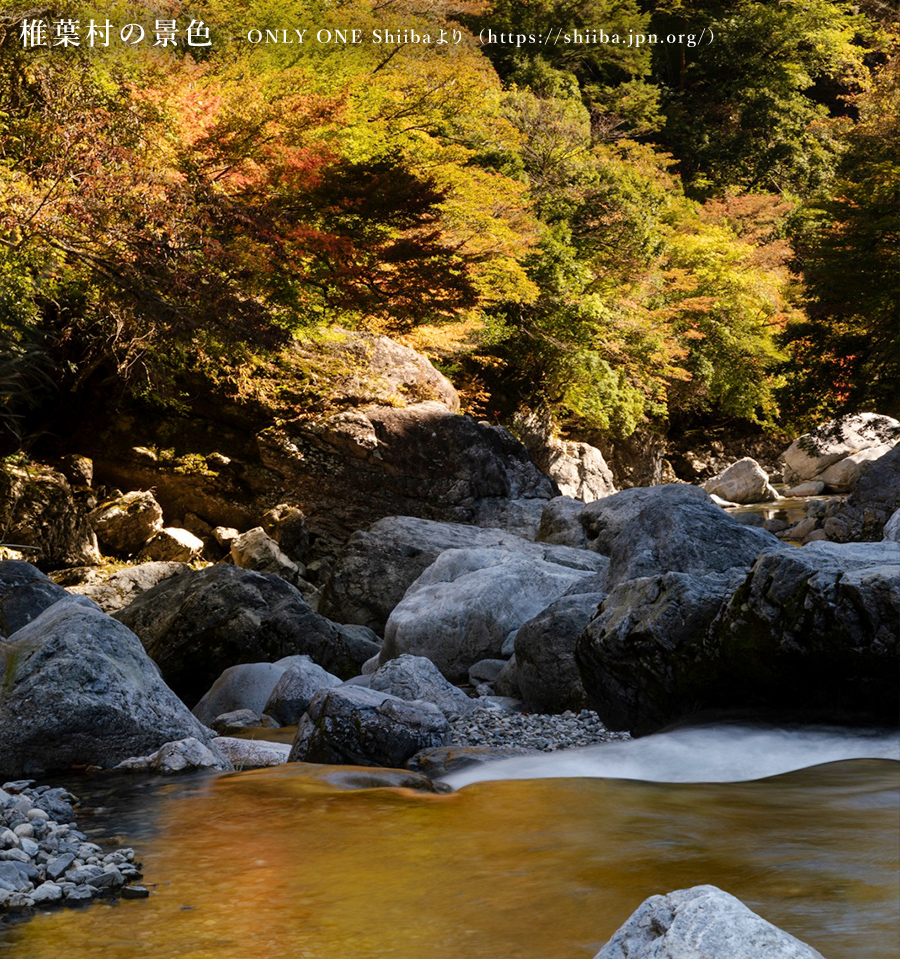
pixel 490 726
pixel 46 860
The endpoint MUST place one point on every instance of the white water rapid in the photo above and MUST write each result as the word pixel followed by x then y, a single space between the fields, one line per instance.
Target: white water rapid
pixel 720 753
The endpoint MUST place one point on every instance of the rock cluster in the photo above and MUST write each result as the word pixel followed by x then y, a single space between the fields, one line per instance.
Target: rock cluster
pixel 45 860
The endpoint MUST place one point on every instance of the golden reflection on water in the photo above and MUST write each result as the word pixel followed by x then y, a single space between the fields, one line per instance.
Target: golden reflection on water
pixel 277 864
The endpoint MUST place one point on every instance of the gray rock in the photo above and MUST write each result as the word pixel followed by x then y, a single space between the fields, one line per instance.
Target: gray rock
pixel 171 545
pixel 126 585
pixel 184 755
pixel 246 686
pixel 291 695
pixel 388 461
pixel 486 671
pixel 417 678
pixel 252 753
pixel 604 520
pixel 352 725
pixel 640 658
pixel 124 524
pixel 547 675
pixel 812 628
pixel 463 607
pixel 239 719
pixel 838 452
pixel 892 528
pixel 701 923
pixel 13 877
pixel 522 517
pixel 579 469
pixel 57 866
pixel 256 550
pixel 37 509
pixel 808 488
pixel 743 482
pixel 680 532
pixel 378 566
pixel 561 523
pixel 873 500
pixel 83 691
pixel 47 894
pixel 25 592
pixel 198 624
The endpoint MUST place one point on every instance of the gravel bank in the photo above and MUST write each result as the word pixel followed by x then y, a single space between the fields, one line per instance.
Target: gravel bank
pixel 503 727
pixel 46 861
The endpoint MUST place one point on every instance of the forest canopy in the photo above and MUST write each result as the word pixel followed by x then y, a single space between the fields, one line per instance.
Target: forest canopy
pixel 619 235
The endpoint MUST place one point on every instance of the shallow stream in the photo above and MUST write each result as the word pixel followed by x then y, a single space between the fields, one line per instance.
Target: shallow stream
pixel 278 864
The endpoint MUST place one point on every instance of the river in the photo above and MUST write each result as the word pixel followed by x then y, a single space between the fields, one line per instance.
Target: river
pixel 541 859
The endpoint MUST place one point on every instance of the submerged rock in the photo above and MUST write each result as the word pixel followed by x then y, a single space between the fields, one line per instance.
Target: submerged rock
pixel 184 755
pixel 701 923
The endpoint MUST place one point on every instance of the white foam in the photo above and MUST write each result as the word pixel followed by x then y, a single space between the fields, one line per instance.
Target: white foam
pixel 724 753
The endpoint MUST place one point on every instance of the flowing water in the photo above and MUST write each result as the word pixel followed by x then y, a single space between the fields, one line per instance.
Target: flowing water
pixel 279 864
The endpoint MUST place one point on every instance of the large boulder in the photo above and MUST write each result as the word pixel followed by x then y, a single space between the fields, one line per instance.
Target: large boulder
pixel 292 694
pixel 385 461
pixel 679 531
pixel 38 511
pixel 743 482
pixel 469 603
pixel 415 677
pixel 578 468
pixel 352 725
pixel 814 628
pixel 127 584
pixel 199 623
pixel 379 565
pixel 874 499
pixel 245 686
pixel 604 520
pixel 838 452
pixel 124 524
pixel 546 673
pixel 640 658
pixel 25 592
pixel 701 923
pixel 82 691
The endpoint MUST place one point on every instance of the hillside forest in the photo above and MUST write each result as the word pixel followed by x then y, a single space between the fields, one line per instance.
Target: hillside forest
pixel 656 236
